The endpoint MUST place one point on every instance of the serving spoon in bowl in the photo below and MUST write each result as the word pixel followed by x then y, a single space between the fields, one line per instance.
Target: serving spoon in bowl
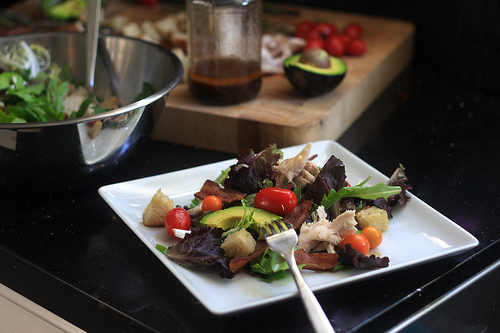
pixel 92 36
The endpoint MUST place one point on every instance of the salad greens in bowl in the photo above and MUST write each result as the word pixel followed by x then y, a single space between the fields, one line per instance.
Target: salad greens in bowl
pixel 55 132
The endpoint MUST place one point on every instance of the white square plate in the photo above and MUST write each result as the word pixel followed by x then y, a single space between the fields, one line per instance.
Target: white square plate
pixel 417 233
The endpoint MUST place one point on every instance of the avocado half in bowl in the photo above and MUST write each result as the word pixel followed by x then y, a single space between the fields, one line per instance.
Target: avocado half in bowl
pixel 313 80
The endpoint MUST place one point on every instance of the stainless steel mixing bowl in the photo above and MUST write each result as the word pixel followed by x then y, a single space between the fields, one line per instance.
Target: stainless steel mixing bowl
pixel 73 152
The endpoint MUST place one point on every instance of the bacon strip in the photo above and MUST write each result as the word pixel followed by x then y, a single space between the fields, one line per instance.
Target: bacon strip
pixel 316 261
pixel 237 264
pixel 299 214
pixel 225 195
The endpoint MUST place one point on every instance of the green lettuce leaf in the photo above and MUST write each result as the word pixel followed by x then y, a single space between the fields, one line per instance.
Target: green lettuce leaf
pixel 379 190
pixel 269 267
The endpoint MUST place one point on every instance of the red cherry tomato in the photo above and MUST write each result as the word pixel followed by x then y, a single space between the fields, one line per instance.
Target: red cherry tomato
pixel 313 35
pixel 354 30
pixel 276 200
pixel 346 38
pixel 326 29
pixel 356 47
pixel 211 203
pixel 315 43
pixel 358 242
pixel 302 29
pixel 177 218
pixel 335 46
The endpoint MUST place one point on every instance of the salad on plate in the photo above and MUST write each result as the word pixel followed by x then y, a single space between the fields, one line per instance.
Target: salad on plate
pixel 339 225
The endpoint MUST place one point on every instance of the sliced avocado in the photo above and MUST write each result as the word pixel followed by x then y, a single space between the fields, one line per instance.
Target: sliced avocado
pixel 312 80
pixel 225 218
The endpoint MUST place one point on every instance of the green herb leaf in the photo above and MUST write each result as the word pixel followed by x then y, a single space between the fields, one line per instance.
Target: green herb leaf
pixel 194 202
pixel 380 190
pixel 223 175
pixel 245 222
pixel 83 107
pixel 8 79
pixel 67 73
pixel 4 118
pixel 161 248
pixel 55 94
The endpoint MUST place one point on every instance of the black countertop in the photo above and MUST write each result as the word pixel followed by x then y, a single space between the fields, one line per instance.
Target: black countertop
pixel 70 253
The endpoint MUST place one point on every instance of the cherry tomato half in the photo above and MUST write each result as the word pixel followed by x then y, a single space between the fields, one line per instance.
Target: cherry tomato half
pixel 356 47
pixel 335 46
pixel 177 218
pixel 358 242
pixel 374 236
pixel 211 203
pixel 326 29
pixel 303 28
pixel 353 30
pixel 276 200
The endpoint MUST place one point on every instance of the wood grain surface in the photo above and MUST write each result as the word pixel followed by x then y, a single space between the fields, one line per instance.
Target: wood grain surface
pixel 280 114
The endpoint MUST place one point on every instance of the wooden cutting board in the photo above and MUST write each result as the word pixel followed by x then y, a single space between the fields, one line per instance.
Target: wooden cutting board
pixel 280 114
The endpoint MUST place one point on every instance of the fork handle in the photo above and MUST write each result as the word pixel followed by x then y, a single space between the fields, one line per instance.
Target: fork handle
pixel 315 312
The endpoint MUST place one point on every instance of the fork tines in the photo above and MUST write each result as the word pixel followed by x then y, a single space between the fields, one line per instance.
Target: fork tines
pixel 275 227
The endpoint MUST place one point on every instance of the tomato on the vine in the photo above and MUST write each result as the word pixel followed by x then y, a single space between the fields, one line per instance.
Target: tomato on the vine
pixel 354 30
pixel 356 47
pixel 211 203
pixel 358 242
pixel 374 236
pixel 276 200
pixel 335 46
pixel 303 28
pixel 177 218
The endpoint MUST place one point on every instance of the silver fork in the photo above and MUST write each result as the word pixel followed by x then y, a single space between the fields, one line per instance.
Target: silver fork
pixel 282 239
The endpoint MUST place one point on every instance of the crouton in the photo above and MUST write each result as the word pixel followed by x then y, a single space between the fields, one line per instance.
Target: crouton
pixel 95 130
pixel 155 211
pixel 373 216
pixel 238 244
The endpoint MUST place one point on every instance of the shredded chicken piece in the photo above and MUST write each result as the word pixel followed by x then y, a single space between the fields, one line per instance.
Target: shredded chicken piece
pixel 307 175
pixel 289 168
pixel 322 234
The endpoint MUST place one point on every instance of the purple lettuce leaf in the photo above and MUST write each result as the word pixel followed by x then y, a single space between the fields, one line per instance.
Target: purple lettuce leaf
pixel 201 248
pixel 400 179
pixel 248 175
pixel 350 256
pixel 331 176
